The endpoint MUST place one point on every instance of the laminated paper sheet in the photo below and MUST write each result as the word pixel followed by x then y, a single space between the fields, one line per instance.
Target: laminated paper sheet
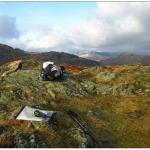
pixel 28 114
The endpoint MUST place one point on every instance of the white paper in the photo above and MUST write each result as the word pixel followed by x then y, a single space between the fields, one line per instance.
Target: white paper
pixel 28 114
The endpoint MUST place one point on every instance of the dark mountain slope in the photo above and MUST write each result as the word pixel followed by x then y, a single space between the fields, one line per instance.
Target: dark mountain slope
pixel 127 59
pixel 8 53
pixel 146 59
pixel 61 57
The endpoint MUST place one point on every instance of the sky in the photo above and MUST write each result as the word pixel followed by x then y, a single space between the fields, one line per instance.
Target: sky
pixel 71 26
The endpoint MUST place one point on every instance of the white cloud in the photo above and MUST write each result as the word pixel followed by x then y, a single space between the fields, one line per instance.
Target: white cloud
pixel 115 26
pixel 128 21
pixel 41 37
pixel 86 35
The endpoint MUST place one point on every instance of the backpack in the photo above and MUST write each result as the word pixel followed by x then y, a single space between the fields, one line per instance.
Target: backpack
pixel 51 72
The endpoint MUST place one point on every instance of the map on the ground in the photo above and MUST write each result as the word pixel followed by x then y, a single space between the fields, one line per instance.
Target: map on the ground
pixel 28 114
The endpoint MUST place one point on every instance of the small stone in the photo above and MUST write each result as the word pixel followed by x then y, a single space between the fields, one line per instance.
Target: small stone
pixel 90 112
pixel 32 136
pixel 32 141
pixel 147 90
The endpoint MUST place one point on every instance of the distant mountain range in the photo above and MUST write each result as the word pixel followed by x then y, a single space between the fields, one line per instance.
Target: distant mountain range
pixel 86 58
pixel 115 58
pixel 96 56
pixel 127 59
pixel 8 53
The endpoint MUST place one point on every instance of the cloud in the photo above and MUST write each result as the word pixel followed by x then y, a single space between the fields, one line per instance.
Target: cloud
pixel 8 27
pixel 115 26
pixel 37 37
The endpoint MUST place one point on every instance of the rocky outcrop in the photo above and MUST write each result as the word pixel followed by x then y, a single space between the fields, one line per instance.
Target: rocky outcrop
pixel 12 67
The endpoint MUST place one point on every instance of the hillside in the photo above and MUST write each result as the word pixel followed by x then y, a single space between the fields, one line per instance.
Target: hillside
pixel 115 58
pixel 113 101
pixel 8 54
pixel 146 59
pixel 126 59
pixel 66 58
pixel 84 58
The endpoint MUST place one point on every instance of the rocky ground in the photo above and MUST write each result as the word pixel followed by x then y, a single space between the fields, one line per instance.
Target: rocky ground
pixel 113 101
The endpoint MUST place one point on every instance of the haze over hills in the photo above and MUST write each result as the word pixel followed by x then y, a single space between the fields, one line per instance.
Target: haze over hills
pixel 97 56
pixel 115 58
pixel 83 58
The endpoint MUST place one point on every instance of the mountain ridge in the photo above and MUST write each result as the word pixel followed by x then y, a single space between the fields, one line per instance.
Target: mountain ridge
pixel 90 58
pixel 8 53
pixel 127 59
